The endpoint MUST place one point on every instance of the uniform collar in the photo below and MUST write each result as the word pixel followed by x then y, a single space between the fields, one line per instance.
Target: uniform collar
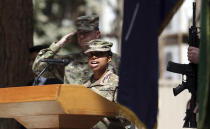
pixel 101 81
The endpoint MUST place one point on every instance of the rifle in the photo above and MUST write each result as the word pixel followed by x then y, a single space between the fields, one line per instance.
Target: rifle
pixel 190 73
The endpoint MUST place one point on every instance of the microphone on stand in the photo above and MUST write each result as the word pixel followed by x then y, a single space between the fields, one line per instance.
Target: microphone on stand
pixel 56 61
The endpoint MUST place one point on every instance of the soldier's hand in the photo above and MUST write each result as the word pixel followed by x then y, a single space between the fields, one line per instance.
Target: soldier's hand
pixel 193 54
pixel 66 39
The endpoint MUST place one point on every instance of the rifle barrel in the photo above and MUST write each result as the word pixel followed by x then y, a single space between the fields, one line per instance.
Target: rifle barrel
pixel 194 13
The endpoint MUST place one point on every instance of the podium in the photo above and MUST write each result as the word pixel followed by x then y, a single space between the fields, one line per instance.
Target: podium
pixel 57 106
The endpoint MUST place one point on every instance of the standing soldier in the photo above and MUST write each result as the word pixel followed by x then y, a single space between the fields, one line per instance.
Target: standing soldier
pixel 77 70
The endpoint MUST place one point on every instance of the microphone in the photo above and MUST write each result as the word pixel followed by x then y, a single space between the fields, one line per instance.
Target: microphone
pixel 56 61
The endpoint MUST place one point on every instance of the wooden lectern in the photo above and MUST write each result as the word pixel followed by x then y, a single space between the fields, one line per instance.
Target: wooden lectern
pixel 57 106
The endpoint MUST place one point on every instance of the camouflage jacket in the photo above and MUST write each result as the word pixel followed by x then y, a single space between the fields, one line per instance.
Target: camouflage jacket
pixel 105 86
pixel 76 72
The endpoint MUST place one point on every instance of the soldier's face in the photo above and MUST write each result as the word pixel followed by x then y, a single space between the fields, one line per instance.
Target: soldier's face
pixel 98 61
pixel 83 37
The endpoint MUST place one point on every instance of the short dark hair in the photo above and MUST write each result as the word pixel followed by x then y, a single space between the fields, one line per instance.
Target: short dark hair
pixel 37 48
pixel 109 53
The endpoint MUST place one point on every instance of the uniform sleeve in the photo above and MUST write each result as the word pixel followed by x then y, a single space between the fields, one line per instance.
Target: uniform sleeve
pixel 107 92
pixel 114 84
pixel 115 94
pixel 53 70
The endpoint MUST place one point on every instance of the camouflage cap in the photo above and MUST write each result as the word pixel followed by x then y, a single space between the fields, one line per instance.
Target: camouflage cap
pixel 88 23
pixel 98 45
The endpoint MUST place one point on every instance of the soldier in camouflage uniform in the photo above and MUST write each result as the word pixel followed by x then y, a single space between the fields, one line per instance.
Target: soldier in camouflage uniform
pixel 103 81
pixel 77 71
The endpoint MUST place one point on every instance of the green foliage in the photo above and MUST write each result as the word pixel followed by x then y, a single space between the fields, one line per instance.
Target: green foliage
pixel 54 19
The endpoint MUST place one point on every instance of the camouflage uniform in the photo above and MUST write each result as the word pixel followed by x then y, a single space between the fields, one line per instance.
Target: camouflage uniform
pixel 77 71
pixel 106 86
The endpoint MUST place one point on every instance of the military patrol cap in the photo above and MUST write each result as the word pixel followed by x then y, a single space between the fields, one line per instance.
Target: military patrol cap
pixel 88 23
pixel 98 45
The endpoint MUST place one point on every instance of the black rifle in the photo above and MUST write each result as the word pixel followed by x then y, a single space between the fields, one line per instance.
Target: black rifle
pixel 190 73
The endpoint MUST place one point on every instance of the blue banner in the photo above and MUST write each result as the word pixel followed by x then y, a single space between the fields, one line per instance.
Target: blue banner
pixel 138 86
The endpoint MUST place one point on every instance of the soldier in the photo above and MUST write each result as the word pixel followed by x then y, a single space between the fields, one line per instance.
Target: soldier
pixel 103 81
pixel 77 71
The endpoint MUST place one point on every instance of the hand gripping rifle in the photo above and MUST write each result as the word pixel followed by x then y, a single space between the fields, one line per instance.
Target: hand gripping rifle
pixel 190 72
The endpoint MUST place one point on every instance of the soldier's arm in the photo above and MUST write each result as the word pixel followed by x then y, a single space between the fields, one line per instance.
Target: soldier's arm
pixel 53 70
pixel 107 93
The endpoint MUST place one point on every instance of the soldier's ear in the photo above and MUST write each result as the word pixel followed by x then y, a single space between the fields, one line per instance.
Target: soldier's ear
pixel 109 59
pixel 98 34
